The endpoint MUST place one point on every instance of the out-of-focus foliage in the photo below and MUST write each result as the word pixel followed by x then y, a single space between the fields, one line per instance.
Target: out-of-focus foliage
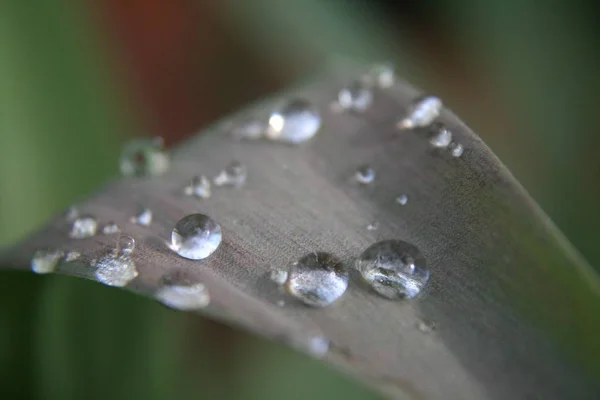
pixel 63 117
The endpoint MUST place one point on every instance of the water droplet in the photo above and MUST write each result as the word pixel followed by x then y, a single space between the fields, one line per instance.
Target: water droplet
pixel 111 228
pixel 234 174
pixel 144 157
pixel 296 122
pixel 196 237
pixel 456 149
pixel 365 174
pixel 115 270
pixel 318 346
pixel 183 297
pixel 71 214
pixel 382 75
pixel 422 112
pixel 72 256
pixel 199 187
pixel 373 226
pixel 45 261
pixel 317 279
pixel 125 246
pixel 144 217
pixel 83 227
pixel 402 199
pixel 250 129
pixel 425 327
pixel 280 303
pixel 278 276
pixel 357 96
pixel 440 135
pixel 394 269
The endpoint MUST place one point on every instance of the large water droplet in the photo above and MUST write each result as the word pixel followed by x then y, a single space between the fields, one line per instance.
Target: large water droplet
pixel 143 217
pixel 250 129
pixel 184 297
pixel 279 276
pixel 402 199
pixel 111 228
pixel 317 279
pixel 440 135
pixel 364 174
pixel 381 75
pixel 84 227
pixel 144 157
pixel 199 187
pixel 422 112
pixel 234 174
pixel 196 237
pixel 456 149
pixel 357 96
pixel 45 261
pixel 394 269
pixel 296 122
pixel 115 270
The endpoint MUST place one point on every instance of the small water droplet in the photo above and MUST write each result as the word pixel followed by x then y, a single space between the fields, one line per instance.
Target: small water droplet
pixel 111 228
pixel 250 129
pixel 125 246
pixel 72 256
pixel 317 279
pixel 143 217
pixel 195 237
pixel 183 297
pixel 71 214
pixel 115 270
pixel 280 303
pixel 318 346
pixel 425 327
pixel 422 112
pixel 279 276
pixel 296 122
pixel 456 149
pixel 440 135
pixel 199 187
pixel 373 226
pixel 394 269
pixel 83 227
pixel 45 261
pixel 144 157
pixel 357 96
pixel 234 174
pixel 365 174
pixel 382 75
pixel 402 199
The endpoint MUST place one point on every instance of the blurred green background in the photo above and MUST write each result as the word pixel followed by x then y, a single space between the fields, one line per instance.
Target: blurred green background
pixel 78 78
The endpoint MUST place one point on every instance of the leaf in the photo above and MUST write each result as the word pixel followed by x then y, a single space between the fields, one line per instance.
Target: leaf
pixel 515 307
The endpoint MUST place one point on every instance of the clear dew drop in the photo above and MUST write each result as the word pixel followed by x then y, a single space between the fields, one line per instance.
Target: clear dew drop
pixel 144 157
pixel 234 174
pixel 83 227
pixel 440 135
pixel 318 346
pixel 125 245
pixel 373 226
pixel 115 270
pixel 317 279
pixel 183 297
pixel 381 75
pixel 45 261
pixel 111 228
pixel 357 96
pixel 402 199
pixel 198 187
pixel 249 129
pixel 364 174
pixel 71 214
pixel 279 276
pixel 394 269
pixel 72 256
pixel 143 217
pixel 425 327
pixel 295 122
pixel 195 237
pixel 422 112
pixel 456 149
